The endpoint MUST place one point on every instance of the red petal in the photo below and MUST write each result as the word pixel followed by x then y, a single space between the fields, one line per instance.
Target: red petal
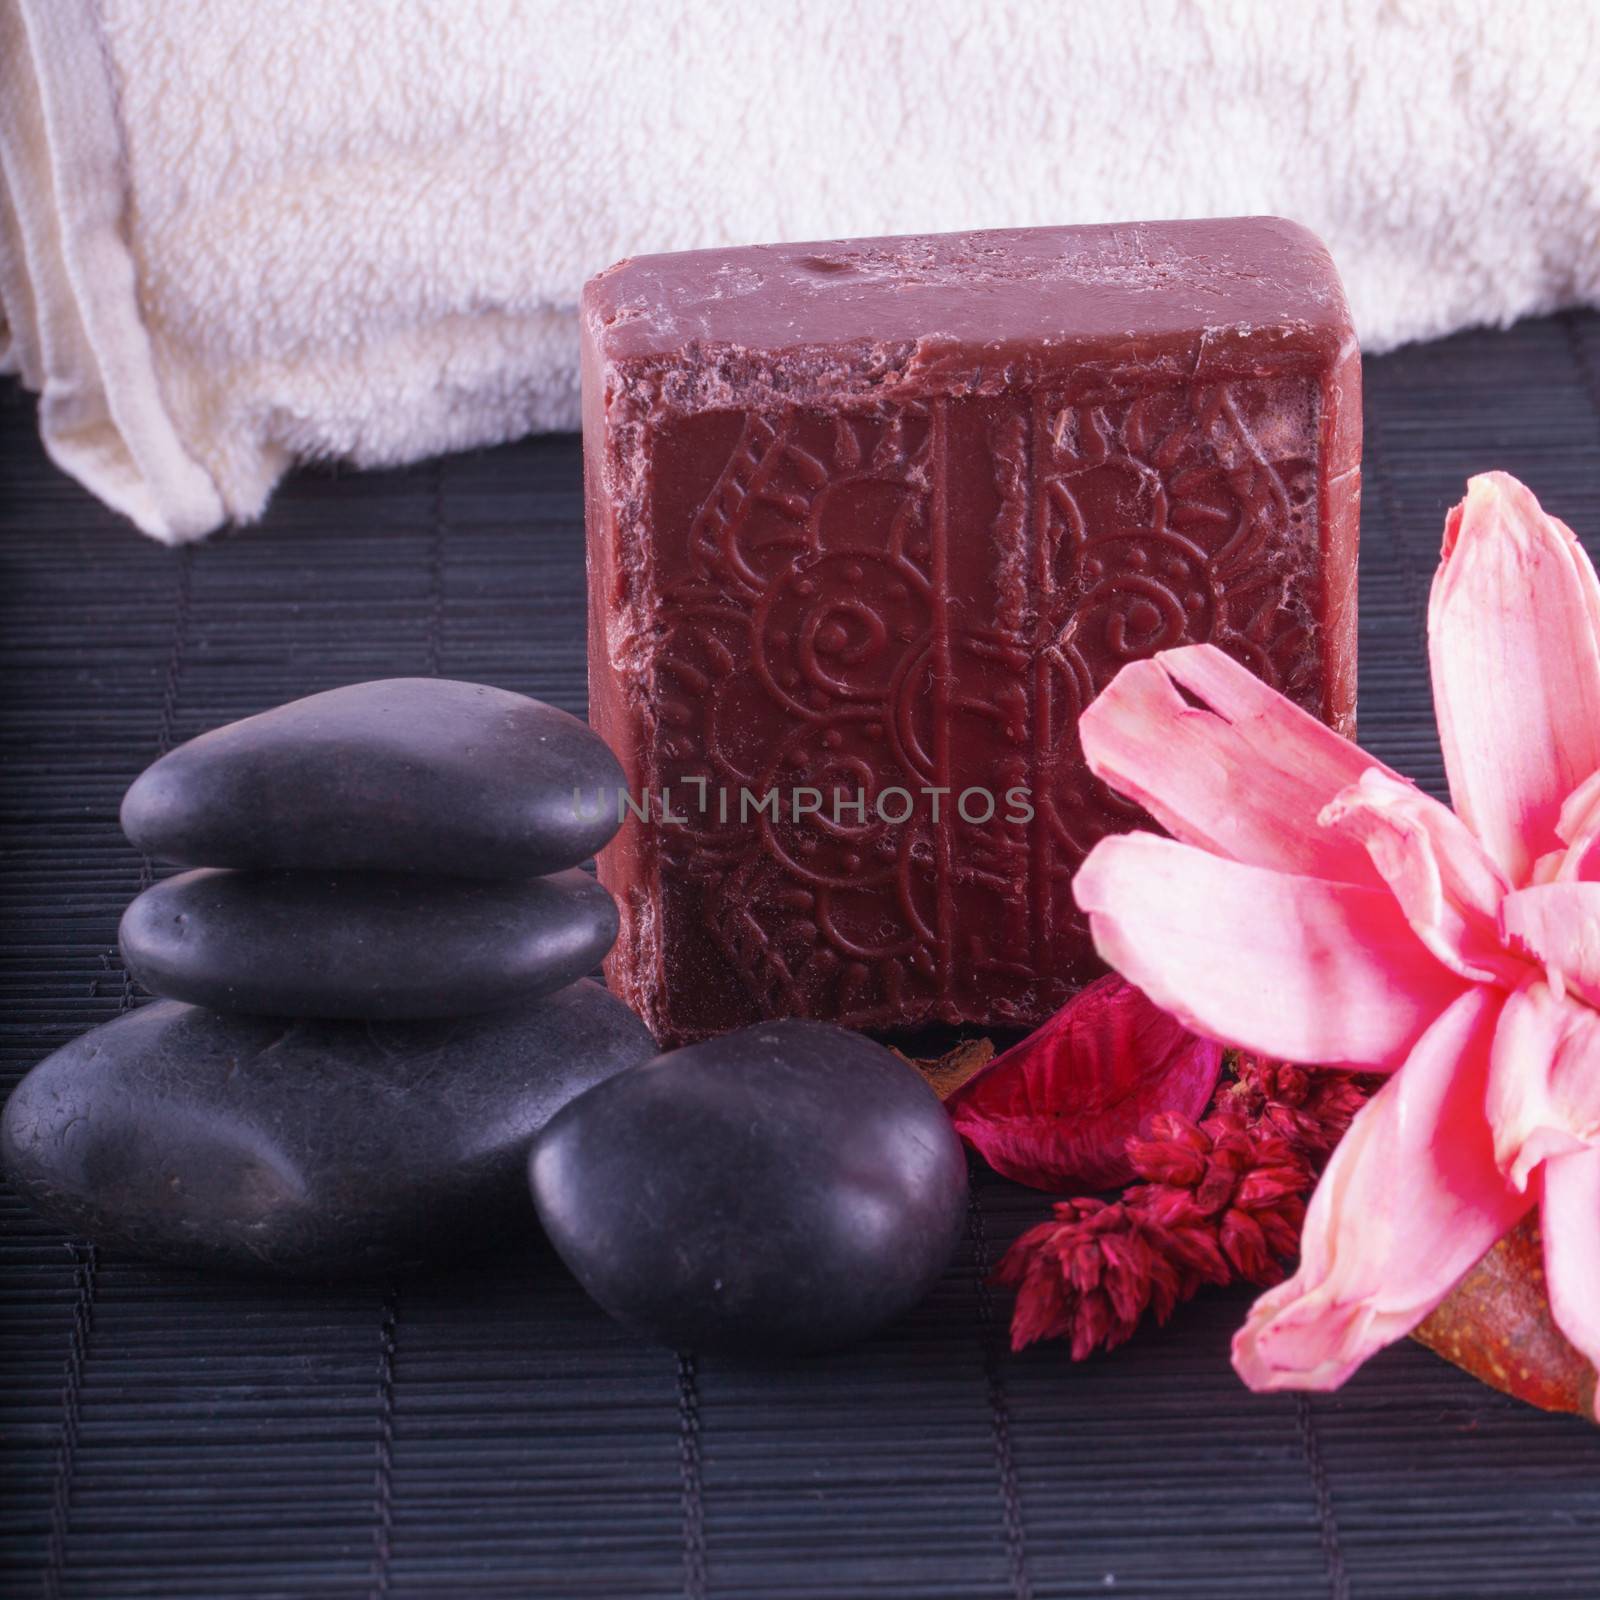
pixel 1057 1110
pixel 1245 1244
pixel 1042 1310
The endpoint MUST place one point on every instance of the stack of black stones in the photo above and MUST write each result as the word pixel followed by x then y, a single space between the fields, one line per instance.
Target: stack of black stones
pixel 374 988
pixel 376 1035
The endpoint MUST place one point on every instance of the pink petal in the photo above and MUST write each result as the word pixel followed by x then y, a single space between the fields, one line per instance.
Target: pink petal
pixel 1514 641
pixel 1243 773
pixel 1409 1201
pixel 1559 924
pixel 1572 1248
pixel 1579 828
pixel 1287 966
pixel 1448 888
pixel 1544 1082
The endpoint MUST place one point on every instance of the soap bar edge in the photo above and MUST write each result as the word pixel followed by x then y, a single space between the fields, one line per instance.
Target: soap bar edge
pixel 619 568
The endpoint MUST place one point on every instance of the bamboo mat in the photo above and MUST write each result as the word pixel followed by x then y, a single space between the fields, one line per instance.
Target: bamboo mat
pixel 487 1432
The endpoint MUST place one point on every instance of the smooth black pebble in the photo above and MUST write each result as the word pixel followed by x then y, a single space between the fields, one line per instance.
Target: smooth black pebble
pixel 401 775
pixel 364 944
pixel 312 1148
pixel 789 1187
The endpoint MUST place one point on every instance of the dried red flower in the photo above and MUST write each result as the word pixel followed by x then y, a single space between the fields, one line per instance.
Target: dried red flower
pixel 1057 1110
pixel 947 1073
pixel 1221 1200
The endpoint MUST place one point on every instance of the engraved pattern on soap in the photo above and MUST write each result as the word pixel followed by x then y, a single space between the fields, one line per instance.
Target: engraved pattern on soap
pixel 827 576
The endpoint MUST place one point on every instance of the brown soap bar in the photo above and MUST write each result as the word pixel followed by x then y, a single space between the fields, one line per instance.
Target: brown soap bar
pixel 873 521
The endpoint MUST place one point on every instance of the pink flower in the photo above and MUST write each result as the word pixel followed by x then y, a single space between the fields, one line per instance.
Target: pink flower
pixel 1312 904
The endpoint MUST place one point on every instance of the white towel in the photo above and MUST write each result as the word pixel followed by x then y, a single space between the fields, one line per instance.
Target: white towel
pixel 237 233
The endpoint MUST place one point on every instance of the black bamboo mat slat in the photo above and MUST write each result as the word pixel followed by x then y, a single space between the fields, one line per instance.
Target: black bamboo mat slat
pixel 486 1432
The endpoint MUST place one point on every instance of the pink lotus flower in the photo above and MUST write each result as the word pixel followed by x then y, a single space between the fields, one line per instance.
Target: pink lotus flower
pixel 1313 905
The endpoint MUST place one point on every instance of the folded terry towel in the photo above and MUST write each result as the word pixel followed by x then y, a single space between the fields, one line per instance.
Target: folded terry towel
pixel 235 234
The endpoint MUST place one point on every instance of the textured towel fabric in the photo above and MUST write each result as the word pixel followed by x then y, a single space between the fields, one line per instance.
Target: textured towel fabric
pixel 235 234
